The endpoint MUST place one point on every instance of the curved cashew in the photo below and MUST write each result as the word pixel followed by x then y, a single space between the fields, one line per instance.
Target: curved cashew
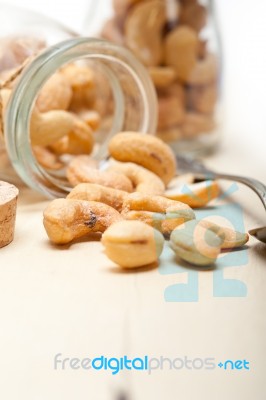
pixel 230 238
pixel 46 128
pixel 146 150
pixel 103 194
pixel 143 31
pixel 195 195
pixel 195 244
pixel 55 94
pixel 66 220
pixel 132 244
pixel 80 170
pixel 143 180
pixel 157 211
pixel 46 158
pixel 80 140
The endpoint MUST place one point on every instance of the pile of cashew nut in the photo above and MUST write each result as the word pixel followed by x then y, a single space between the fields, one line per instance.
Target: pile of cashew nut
pixel 136 203
pixel 166 37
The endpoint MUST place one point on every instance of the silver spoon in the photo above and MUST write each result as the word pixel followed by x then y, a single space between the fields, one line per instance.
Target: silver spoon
pixel 189 164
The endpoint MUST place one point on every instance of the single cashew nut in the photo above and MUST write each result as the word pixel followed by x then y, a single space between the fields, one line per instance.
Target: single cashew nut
pixel 80 140
pixel 82 81
pixel 143 31
pixel 143 180
pixel 162 77
pixel 168 214
pixel 46 128
pixel 102 194
pixel 55 94
pixel 66 220
pixel 80 170
pixel 132 244
pixel 195 195
pixel 195 244
pixel 46 158
pixel 230 238
pixel 145 150
pixel 181 47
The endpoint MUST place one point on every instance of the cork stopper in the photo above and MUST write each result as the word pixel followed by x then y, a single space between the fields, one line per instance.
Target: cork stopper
pixel 8 207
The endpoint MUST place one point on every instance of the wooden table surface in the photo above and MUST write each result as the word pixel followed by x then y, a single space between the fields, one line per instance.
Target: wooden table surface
pixel 74 301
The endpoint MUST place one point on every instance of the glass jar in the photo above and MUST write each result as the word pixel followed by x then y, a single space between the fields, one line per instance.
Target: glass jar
pixel 123 96
pixel 179 44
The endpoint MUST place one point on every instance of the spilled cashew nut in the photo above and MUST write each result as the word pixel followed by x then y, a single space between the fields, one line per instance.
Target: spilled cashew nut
pixel 157 211
pixel 195 195
pixel 102 194
pixel 143 180
pixel 195 244
pixel 66 220
pixel 145 150
pixel 132 244
pixel 80 170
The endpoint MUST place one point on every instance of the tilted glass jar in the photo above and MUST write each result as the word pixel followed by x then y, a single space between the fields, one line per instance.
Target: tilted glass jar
pixel 131 98
pixel 178 41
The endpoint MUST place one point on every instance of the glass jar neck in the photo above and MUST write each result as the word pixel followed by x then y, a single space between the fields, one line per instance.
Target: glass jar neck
pixel 129 82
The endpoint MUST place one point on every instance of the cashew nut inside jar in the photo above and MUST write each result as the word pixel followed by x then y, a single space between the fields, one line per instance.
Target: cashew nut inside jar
pixel 63 96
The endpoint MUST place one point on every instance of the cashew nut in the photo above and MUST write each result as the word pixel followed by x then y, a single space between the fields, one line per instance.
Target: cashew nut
pixel 195 244
pixel 66 220
pixel 46 158
pixel 103 194
pixel 157 211
pixel 143 180
pixel 162 77
pixel 92 118
pixel 132 244
pixel 195 195
pixel 193 15
pixel 80 170
pixel 143 31
pixel 230 238
pixel 80 140
pixel 56 94
pixel 46 128
pixel 181 47
pixel 146 150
